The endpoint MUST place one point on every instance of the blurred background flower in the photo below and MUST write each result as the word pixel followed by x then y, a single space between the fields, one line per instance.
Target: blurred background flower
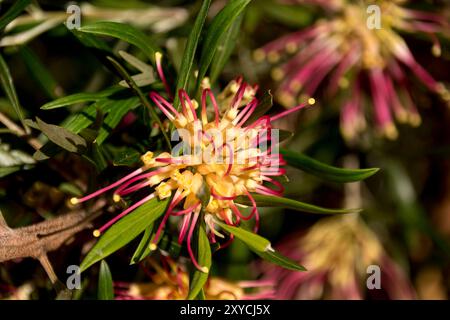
pixel 355 52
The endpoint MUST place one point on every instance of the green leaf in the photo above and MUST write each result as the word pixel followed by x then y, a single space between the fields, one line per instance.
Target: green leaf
pixel 8 88
pixel 273 201
pixel 225 48
pixel 123 32
pixel 280 260
pixel 143 249
pixel 40 73
pixel 125 230
pixel 126 157
pixel 105 283
pixel 261 246
pixel 114 111
pixel 218 28
pixel 62 137
pixel 13 12
pixel 80 98
pixel 189 51
pixel 325 171
pixel 199 278
pixel 140 95
pixel 254 241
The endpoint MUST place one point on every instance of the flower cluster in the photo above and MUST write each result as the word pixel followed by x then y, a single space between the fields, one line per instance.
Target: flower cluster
pixel 223 160
pixel 170 281
pixel 349 51
pixel 337 251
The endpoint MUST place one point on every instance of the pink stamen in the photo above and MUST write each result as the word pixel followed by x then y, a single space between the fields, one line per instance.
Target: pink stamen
pixel 131 208
pixel 289 111
pixel 162 76
pixel 238 97
pixel 186 211
pixel 189 240
pixel 184 228
pixel 160 101
pixel 214 103
pixel 183 99
pixel 111 186
pixel 246 113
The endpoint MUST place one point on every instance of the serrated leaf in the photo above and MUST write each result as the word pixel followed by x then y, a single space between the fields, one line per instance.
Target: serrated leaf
pixel 145 78
pixel 80 98
pixel 281 202
pixel 62 137
pixel 219 26
pixel 125 230
pixel 198 279
pixel 13 12
pixel 105 283
pixel 123 32
pixel 8 88
pixel 143 249
pixel 189 51
pixel 325 171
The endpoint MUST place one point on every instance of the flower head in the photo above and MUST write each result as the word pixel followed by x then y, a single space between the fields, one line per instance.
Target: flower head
pixel 351 51
pixel 171 282
pixel 337 253
pixel 221 156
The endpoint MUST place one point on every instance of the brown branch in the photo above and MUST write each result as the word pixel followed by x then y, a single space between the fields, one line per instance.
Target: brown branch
pixel 36 240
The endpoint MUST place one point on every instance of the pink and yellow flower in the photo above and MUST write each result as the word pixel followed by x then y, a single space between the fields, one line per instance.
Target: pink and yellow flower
pixel 221 159
pixel 346 51
pixel 170 281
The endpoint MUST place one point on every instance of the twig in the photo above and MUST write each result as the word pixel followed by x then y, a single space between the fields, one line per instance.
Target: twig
pixel 36 144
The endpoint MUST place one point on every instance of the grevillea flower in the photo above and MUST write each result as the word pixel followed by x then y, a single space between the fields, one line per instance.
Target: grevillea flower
pixel 349 51
pixel 170 281
pixel 337 253
pixel 221 157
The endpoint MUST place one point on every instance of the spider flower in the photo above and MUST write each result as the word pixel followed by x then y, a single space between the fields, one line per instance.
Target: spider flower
pixel 337 253
pixel 222 157
pixel 171 282
pixel 351 51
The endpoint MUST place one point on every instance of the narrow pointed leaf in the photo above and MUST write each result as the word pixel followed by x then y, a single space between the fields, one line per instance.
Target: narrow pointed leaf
pixel 254 241
pixel 80 98
pixel 143 249
pixel 105 283
pixel 226 47
pixel 13 12
pixel 189 51
pixel 125 230
pixel 218 28
pixel 280 260
pixel 199 278
pixel 8 87
pixel 274 201
pixel 261 246
pixel 123 32
pixel 325 171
